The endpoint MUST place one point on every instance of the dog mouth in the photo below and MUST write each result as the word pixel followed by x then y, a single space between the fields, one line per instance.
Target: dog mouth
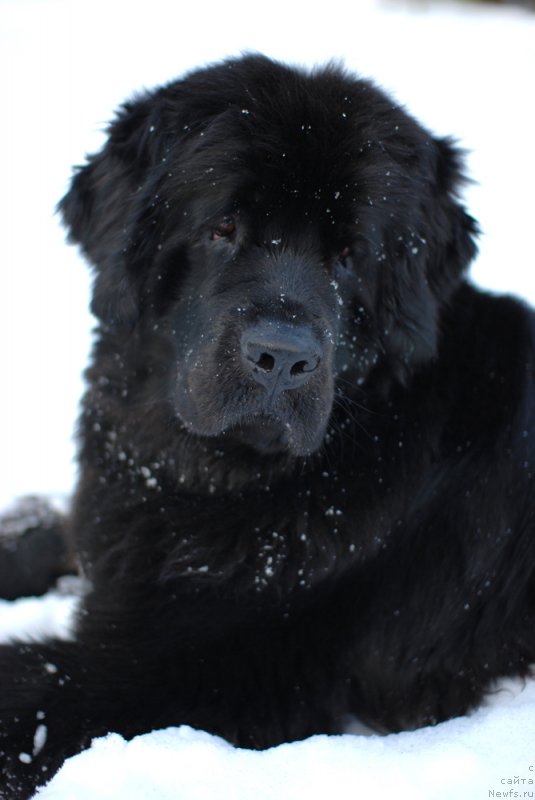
pixel 295 433
pixel 266 434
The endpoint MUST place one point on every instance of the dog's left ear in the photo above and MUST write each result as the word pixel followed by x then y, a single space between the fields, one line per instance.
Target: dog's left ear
pixel 100 207
pixel 453 232
pixel 429 258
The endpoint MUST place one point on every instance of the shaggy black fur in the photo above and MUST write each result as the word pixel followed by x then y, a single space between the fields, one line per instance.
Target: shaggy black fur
pixel 308 444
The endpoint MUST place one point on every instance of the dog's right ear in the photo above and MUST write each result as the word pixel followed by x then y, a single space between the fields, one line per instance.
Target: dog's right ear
pixel 99 207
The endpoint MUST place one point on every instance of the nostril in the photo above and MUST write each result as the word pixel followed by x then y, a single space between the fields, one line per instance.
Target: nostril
pixel 280 356
pixel 265 362
pixel 300 367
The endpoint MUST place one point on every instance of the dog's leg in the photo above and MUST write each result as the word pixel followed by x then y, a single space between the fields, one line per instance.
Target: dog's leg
pixel 34 548
pixel 46 713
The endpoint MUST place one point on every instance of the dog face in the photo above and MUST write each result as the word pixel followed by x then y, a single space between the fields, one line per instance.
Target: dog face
pixel 284 237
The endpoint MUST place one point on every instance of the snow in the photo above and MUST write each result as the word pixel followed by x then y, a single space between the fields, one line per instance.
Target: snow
pixel 448 762
pixel 465 70
pixel 35 617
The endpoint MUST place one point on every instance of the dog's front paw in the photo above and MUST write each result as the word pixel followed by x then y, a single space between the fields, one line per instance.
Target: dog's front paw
pixel 34 548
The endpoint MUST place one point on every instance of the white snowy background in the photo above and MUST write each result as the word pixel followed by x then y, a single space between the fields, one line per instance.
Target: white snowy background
pixel 64 66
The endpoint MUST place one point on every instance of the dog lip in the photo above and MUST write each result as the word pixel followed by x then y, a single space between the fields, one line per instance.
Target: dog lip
pixel 265 433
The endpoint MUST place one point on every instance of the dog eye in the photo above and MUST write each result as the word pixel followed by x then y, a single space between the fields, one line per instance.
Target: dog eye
pixel 225 230
pixel 343 256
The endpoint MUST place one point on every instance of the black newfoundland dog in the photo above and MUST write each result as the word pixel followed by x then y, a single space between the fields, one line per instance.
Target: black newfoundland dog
pixel 307 447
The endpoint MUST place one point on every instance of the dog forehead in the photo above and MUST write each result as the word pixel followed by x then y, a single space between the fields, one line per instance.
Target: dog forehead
pixel 276 173
pixel 319 146
pixel 302 129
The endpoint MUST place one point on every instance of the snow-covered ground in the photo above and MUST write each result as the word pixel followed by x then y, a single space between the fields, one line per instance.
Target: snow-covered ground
pixel 65 65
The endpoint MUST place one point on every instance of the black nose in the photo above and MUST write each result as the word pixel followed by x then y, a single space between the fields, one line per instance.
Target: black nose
pixel 279 355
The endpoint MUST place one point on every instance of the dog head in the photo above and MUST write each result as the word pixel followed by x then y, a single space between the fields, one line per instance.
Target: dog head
pixel 283 233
